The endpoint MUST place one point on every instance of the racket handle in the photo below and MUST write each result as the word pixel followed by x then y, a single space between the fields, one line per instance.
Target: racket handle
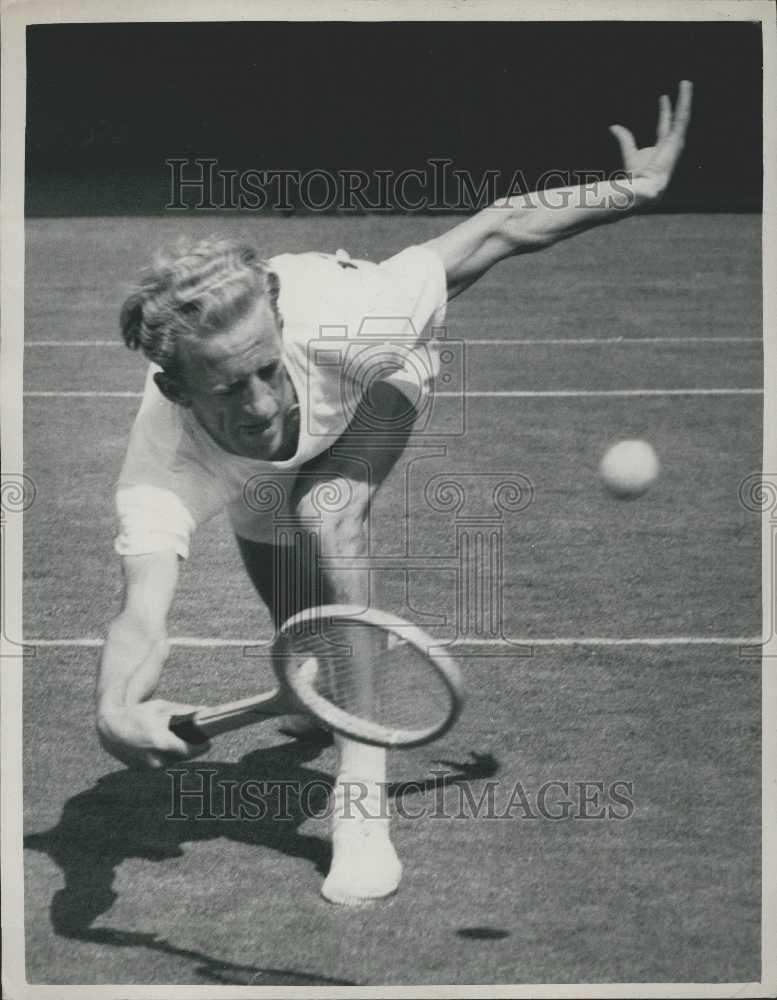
pixel 187 729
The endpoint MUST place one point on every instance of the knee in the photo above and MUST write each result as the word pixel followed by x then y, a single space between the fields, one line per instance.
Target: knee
pixel 337 510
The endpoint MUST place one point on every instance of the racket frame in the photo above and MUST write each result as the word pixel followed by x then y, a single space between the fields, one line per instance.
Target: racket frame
pixel 363 730
pixel 295 691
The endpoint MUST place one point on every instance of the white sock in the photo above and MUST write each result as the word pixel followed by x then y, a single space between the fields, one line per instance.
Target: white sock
pixel 365 865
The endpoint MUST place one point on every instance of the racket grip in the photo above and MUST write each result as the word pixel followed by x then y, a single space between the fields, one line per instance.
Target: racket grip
pixel 187 729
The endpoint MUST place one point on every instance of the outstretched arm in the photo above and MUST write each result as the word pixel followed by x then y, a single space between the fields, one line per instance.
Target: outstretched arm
pixel 130 727
pixel 537 220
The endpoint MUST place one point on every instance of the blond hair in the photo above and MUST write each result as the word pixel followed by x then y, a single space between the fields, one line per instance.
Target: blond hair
pixel 195 291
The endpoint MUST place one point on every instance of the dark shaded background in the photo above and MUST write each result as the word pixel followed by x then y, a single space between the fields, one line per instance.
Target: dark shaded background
pixel 107 104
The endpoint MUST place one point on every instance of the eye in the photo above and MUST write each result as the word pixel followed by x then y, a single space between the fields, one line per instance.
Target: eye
pixel 227 390
pixel 268 371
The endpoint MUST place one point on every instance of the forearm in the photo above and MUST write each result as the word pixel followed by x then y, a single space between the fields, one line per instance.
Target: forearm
pixel 131 663
pixel 530 222
pixel 539 219
pixel 131 725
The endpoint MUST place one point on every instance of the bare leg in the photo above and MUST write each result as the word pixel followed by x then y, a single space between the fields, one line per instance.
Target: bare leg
pixel 334 500
pixel 272 569
pixel 282 577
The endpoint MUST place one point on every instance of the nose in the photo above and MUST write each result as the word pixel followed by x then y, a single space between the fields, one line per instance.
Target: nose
pixel 258 401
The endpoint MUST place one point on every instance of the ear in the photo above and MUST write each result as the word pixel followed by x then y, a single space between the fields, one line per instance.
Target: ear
pixel 171 390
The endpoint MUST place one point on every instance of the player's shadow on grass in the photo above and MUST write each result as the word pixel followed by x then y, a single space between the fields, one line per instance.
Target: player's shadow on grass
pixel 212 969
pixel 127 815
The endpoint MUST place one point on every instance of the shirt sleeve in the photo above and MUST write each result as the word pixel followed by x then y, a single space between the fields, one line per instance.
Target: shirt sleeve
pixel 416 290
pixel 151 519
pixel 166 488
pixel 331 296
pixel 398 337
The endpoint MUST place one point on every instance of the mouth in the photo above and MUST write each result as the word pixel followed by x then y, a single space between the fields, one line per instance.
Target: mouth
pixel 258 430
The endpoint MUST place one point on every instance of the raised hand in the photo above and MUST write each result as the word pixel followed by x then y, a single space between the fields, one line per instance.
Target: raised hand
pixel 655 164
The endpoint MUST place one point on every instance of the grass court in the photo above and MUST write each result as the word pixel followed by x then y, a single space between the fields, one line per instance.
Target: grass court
pixel 637 614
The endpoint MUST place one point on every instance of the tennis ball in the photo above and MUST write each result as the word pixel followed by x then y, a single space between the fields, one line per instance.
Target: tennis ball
pixel 629 468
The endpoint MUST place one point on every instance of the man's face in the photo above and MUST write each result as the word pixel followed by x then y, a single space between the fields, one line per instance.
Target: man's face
pixel 238 389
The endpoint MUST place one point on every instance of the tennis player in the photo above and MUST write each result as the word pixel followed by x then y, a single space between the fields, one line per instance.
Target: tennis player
pixel 250 380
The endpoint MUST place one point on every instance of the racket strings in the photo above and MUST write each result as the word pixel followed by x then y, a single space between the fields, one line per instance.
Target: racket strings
pixel 374 675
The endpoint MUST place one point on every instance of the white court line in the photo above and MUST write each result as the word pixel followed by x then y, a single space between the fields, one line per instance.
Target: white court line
pixel 606 341
pixel 74 343
pixel 81 395
pixel 590 393
pixel 485 342
pixel 663 640
pixel 471 394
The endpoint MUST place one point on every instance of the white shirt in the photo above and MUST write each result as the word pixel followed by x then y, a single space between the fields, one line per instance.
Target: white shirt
pixel 344 322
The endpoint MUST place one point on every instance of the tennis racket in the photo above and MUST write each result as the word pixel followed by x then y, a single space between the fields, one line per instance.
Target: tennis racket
pixel 362 673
